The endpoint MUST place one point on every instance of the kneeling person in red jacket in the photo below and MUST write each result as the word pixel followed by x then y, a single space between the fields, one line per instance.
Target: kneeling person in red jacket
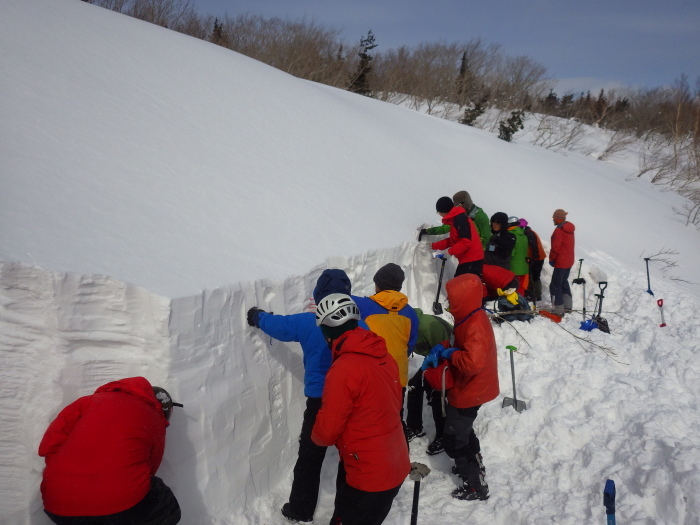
pixel 102 452
pixel 360 416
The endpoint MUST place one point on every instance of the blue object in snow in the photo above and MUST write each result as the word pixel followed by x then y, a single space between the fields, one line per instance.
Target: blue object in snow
pixel 609 501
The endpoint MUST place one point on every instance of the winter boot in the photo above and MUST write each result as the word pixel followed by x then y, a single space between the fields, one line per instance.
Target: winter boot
pixel 412 433
pixel 468 492
pixel 288 513
pixel 436 447
pixel 568 303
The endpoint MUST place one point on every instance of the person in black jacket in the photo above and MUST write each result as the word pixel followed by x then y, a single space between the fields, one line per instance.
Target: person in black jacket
pixel 499 249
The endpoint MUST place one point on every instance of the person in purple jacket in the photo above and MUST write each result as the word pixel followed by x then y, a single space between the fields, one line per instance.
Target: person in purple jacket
pixel 301 328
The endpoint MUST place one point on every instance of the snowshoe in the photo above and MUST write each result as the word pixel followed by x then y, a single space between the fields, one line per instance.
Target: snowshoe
pixel 469 493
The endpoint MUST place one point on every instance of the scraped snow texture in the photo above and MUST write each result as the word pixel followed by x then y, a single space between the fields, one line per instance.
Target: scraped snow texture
pixel 154 187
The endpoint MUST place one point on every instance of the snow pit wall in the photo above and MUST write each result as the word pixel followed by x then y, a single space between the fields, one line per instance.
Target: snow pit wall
pixel 64 335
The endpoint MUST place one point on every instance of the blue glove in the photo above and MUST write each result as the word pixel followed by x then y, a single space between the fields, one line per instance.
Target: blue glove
pixel 551 263
pixel 431 361
pixel 447 353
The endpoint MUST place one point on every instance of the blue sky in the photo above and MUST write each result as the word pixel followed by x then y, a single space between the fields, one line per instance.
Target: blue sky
pixel 587 45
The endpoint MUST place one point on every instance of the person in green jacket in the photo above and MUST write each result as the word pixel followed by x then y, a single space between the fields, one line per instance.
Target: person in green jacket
pixel 518 260
pixel 481 220
pixel 432 330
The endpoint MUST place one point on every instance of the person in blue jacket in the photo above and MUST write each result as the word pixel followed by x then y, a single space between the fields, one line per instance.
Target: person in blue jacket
pixel 301 328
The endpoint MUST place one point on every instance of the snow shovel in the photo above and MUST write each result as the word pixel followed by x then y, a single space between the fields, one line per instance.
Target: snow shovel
pixel 579 279
pixel 601 323
pixel 418 472
pixel 660 302
pixel 609 501
pixel 437 307
pixel 519 406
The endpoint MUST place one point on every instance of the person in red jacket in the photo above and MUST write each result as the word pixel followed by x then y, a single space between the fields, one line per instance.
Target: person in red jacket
pixel 474 366
pixel 102 453
pixel 561 258
pixel 360 416
pixel 464 241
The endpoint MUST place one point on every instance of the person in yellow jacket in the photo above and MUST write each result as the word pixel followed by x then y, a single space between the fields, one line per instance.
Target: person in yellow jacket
pixel 388 314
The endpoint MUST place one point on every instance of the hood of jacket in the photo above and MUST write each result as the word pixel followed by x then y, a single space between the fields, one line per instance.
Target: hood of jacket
pixel 359 341
pixel 390 299
pixel 465 294
pixel 449 217
pixel 136 386
pixel 568 227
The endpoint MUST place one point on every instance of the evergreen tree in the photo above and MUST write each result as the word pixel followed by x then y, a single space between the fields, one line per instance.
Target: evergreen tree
pixel 359 82
pixel 507 128
pixel 218 35
pixel 473 112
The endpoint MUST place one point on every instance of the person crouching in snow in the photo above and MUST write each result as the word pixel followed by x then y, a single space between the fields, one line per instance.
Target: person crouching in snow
pixel 474 366
pixel 102 452
pixel 360 416
pixel 464 242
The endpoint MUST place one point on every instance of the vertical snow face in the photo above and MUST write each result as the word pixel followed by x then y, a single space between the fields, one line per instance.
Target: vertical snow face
pixel 64 335
pixel 243 392
pixel 236 437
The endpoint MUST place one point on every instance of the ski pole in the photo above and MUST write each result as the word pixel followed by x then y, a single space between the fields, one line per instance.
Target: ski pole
pixel 660 302
pixel 648 280
pixel 609 501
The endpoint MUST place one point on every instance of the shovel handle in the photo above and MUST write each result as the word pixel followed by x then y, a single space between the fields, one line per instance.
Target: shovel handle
pixel 660 302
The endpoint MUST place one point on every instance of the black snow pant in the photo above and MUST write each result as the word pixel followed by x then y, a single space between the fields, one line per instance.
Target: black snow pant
pixel 158 507
pixel 307 471
pixel 534 289
pixel 475 267
pixel 414 404
pixel 461 443
pixel 357 507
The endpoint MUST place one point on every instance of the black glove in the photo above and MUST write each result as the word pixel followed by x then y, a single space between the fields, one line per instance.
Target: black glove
pixel 422 232
pixel 254 315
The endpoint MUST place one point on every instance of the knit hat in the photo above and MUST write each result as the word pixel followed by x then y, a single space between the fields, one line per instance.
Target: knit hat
pixel 523 223
pixel 331 281
pixel 500 218
pixel 444 205
pixel 462 198
pixel 389 277
pixel 559 215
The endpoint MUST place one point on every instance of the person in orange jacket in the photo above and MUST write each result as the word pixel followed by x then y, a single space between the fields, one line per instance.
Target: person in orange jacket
pixel 102 452
pixel 360 416
pixel 474 365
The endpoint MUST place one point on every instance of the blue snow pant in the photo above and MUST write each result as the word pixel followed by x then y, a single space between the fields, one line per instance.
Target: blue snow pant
pixel 559 287
pixel 307 471
pixel 461 443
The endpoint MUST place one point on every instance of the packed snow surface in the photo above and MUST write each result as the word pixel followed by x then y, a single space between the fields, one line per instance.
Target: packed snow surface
pixel 154 187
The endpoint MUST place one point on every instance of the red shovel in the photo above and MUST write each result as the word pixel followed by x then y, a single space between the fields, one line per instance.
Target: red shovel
pixel 660 302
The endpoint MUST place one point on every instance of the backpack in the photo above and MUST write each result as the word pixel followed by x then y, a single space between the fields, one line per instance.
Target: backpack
pixel 504 305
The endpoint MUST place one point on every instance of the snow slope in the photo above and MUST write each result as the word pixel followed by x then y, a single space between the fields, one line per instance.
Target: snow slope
pixel 154 187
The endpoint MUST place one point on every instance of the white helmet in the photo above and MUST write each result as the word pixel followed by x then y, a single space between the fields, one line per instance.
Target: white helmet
pixel 513 221
pixel 336 309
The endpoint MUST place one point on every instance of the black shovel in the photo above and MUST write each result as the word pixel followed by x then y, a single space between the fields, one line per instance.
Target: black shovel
pixel 599 320
pixel 437 307
pixel 519 406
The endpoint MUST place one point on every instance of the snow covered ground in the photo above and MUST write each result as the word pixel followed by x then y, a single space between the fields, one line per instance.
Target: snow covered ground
pixel 154 187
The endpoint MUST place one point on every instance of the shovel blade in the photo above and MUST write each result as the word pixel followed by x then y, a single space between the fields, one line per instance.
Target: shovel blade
pixel 518 405
pixel 437 308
